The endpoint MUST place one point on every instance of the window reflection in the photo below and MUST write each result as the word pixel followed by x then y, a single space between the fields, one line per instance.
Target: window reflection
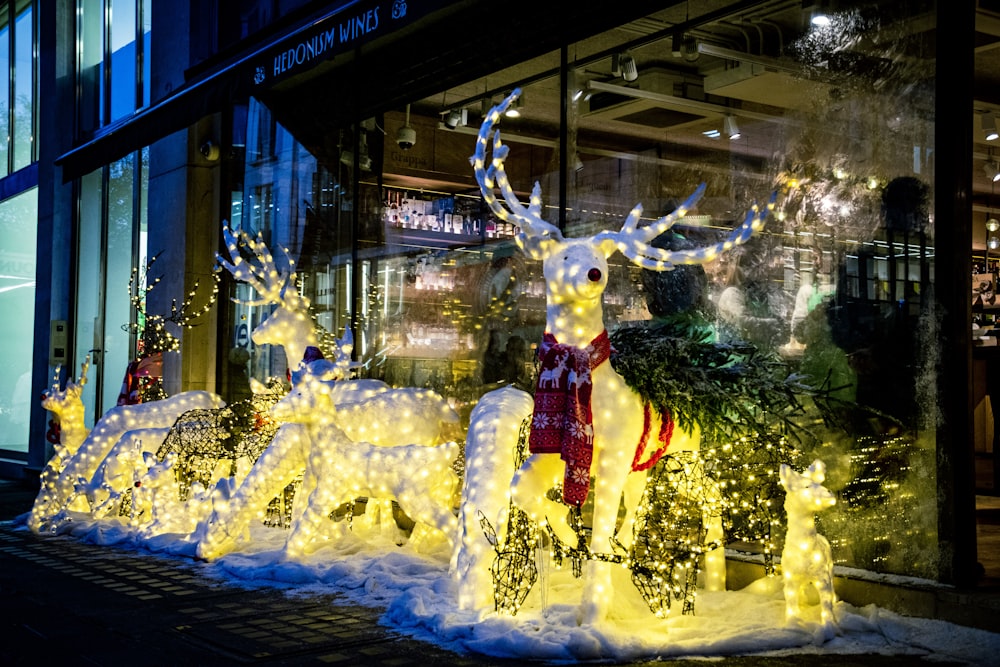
pixel 24 86
pixel 836 122
pixel 17 300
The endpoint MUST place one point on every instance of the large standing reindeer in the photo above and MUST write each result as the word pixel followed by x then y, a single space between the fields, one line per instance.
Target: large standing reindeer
pixel 576 274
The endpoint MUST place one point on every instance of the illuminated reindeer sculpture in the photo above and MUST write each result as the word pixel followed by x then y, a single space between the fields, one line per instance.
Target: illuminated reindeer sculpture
pixel 806 560
pixel 67 407
pixel 606 421
pixel 291 325
pixel 340 469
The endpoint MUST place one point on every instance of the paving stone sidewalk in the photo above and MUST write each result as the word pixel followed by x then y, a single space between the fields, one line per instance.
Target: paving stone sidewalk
pixel 68 603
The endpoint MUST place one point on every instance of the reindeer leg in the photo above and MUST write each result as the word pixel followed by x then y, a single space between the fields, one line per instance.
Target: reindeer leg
pixel 529 489
pixel 715 560
pixel 597 587
pixel 635 484
pixel 320 502
pixel 276 468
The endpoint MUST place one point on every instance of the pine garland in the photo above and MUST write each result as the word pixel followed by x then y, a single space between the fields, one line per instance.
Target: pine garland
pixel 731 389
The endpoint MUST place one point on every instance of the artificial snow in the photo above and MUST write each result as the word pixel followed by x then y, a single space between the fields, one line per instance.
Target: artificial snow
pixel 419 599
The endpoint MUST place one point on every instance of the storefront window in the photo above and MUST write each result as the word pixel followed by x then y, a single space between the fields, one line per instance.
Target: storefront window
pixel 17 87
pixel 24 86
pixel 835 120
pixel 113 59
pixel 17 300
pixel 111 244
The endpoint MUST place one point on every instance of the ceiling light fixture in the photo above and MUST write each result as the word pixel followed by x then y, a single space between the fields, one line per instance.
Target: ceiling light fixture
pixel 992 171
pixel 623 65
pixel 989 125
pixel 818 12
pixel 514 110
pixel 731 128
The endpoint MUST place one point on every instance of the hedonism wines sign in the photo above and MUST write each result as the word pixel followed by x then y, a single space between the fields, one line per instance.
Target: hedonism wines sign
pixel 349 26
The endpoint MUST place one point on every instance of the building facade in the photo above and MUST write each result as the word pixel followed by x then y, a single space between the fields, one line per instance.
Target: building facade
pixel 341 132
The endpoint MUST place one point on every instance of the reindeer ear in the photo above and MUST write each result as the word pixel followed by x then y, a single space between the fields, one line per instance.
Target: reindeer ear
pixel 608 245
pixel 817 471
pixel 535 246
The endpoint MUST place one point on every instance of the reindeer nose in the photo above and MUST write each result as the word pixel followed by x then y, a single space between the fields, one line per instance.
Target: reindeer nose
pixel 594 275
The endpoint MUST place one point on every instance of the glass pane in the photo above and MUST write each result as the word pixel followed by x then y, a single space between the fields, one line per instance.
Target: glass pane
pixel 5 135
pixel 87 327
pixel 118 343
pixel 24 88
pixel 90 54
pixel 836 287
pixel 147 13
pixel 123 58
pixel 293 202
pixel 17 302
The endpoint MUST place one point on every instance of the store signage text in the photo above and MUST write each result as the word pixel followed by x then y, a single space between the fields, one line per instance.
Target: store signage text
pixel 409 160
pixel 334 35
pixel 343 33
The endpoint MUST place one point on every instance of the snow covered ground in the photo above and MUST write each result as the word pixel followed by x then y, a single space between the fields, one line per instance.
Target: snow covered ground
pixel 419 599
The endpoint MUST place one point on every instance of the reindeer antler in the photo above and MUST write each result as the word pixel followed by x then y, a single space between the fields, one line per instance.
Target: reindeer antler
pixel 528 218
pixel 634 241
pixel 82 379
pixel 261 273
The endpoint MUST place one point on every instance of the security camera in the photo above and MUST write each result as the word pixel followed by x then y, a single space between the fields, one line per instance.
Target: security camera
pixel 210 150
pixel 406 137
pixel 456 117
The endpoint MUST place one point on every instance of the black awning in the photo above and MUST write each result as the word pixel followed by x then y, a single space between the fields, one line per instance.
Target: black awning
pixel 176 112
pixel 341 30
pixel 469 40
pixel 357 60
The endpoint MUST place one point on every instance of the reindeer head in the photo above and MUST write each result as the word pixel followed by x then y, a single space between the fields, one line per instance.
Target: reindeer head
pixel 291 323
pixel 310 399
pixel 576 269
pixel 805 491
pixel 62 401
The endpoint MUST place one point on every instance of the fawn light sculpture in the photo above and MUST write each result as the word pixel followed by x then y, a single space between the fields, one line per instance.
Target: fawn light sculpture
pixel 338 470
pixel 66 405
pixel 806 559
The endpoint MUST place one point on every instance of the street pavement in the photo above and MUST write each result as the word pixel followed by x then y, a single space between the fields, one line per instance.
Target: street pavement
pixel 64 602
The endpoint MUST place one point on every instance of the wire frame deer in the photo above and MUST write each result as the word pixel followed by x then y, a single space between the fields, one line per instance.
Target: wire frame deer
pixel 576 275
pixel 291 324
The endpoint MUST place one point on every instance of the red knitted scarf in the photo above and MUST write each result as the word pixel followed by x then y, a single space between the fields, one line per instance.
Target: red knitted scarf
pixel 562 421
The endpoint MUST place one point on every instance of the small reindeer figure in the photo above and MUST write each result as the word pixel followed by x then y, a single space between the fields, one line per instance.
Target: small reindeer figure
pixel 339 470
pixel 65 491
pixel 576 274
pixel 69 432
pixel 364 410
pixel 806 558
pixel 291 324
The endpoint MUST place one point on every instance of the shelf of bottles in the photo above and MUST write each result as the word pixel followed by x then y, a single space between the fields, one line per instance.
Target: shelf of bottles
pixel 984 290
pixel 440 219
